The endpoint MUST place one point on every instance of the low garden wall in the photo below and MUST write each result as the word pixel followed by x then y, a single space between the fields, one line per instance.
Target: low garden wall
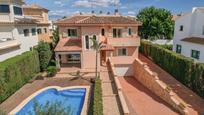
pixel 150 80
pixel 119 88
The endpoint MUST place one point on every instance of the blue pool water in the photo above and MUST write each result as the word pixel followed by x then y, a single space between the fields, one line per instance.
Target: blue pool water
pixel 73 98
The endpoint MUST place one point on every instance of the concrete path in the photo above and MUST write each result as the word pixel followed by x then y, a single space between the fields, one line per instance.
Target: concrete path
pixel 142 100
pixel 111 104
pixel 194 102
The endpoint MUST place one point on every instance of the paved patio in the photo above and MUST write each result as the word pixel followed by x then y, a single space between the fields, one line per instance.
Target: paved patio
pixel 30 88
pixel 111 103
pixel 142 101
pixel 195 103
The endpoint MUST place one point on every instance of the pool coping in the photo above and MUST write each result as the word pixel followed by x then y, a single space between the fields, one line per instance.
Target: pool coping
pixel 84 110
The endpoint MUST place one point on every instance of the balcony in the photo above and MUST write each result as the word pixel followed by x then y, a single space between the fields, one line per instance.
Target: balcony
pixel 8 43
pixel 133 41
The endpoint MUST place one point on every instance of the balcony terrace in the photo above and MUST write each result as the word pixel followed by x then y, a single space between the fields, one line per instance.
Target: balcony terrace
pixel 133 41
pixel 8 43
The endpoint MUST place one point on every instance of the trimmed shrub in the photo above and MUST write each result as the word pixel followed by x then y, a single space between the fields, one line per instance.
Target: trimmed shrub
pixel 169 47
pixel 184 69
pixel 97 99
pixel 45 54
pixel 17 71
pixel 51 70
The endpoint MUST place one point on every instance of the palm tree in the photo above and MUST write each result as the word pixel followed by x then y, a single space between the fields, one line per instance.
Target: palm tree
pixel 97 47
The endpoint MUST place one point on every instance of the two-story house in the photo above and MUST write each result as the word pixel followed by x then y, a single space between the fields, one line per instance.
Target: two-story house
pixel 41 15
pixel 17 32
pixel 189 34
pixel 119 35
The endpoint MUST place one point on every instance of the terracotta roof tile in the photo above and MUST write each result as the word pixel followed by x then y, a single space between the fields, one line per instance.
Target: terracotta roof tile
pixel 66 44
pixel 196 40
pixel 97 19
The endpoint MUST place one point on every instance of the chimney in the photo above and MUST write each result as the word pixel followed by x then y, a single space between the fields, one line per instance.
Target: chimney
pixel 117 12
pixel 100 12
pixel 92 12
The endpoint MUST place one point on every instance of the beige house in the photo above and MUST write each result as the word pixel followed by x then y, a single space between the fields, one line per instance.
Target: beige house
pixel 17 32
pixel 41 15
pixel 119 35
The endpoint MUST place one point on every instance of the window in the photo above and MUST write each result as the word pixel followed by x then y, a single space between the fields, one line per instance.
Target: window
pixel 195 54
pixel 103 32
pixel 122 52
pixel 17 10
pixel 129 31
pixel 39 31
pixel 181 28
pixel 4 9
pixel 178 48
pixel 72 32
pixel 45 29
pixel 33 31
pixel 87 41
pixel 26 32
pixel 73 58
pixel 117 33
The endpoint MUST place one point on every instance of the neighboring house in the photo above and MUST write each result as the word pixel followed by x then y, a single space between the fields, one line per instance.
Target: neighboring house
pixel 17 32
pixel 41 15
pixel 119 35
pixel 189 34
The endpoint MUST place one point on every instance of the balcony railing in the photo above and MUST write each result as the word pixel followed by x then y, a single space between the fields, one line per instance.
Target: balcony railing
pixel 133 41
pixel 8 43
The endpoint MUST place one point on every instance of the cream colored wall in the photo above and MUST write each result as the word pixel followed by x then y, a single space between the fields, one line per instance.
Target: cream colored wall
pixel 25 42
pixel 132 51
pixel 89 56
pixel 44 36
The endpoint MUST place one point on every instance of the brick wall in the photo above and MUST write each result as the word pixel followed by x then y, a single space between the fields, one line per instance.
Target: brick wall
pixel 150 80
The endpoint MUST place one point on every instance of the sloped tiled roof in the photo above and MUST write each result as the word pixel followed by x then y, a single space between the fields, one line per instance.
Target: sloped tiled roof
pixel 196 40
pixel 66 44
pixel 97 19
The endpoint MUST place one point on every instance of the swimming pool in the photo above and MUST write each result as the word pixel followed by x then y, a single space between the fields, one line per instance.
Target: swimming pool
pixel 72 98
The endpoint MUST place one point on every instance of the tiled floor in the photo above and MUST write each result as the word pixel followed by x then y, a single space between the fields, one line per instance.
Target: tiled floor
pixel 195 103
pixel 142 100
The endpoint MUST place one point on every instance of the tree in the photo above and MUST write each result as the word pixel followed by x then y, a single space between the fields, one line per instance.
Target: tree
pixel 45 54
pixel 97 47
pixel 157 23
pixel 55 37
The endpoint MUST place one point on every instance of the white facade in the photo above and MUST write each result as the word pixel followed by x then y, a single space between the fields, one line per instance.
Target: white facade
pixel 12 39
pixel 190 26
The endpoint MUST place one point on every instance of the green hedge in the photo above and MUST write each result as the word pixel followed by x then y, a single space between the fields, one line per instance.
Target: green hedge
pixel 169 47
pixel 17 71
pixel 184 69
pixel 97 103
pixel 45 54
